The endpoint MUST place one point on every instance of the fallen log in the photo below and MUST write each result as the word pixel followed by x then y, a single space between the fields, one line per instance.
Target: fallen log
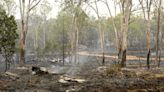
pixel 69 79
pixel 22 68
pixel 12 75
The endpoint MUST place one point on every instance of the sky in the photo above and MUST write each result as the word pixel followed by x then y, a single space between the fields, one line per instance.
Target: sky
pixel 103 11
pixel 56 8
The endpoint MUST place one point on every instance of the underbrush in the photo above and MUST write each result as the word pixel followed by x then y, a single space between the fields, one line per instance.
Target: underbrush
pixel 118 72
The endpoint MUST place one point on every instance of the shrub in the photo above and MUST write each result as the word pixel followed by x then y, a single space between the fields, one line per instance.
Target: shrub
pixel 8 36
pixel 113 70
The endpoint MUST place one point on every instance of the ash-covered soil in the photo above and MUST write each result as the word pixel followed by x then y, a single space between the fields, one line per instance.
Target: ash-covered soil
pixel 84 77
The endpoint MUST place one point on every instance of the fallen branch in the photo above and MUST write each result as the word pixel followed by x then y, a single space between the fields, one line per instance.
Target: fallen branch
pixel 12 75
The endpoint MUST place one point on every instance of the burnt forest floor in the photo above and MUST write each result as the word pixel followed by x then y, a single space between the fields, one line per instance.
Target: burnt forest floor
pixel 94 78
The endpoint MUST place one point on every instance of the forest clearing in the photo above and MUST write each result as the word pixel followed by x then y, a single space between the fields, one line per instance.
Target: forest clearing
pixel 81 46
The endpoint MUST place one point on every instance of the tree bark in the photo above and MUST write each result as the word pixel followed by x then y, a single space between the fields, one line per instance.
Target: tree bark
pixel 63 42
pixel 126 5
pixel 22 44
pixel 114 26
pixel 101 32
pixel 24 12
pixel 146 13
pixel 76 40
pixel 148 44
pixel 157 35
pixel 148 59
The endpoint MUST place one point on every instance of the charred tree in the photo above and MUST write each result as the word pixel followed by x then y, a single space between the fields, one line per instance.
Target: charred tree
pixel 126 9
pixel 146 7
pixel 148 57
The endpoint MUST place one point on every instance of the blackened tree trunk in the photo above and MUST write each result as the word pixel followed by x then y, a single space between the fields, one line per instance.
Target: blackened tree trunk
pixel 146 7
pixel 148 59
pixel 148 38
pixel 126 7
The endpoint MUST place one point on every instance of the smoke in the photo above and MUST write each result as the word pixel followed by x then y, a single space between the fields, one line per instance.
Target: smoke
pixel 70 68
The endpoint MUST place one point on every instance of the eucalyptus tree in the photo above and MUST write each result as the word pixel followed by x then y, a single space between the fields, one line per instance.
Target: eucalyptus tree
pixel 25 7
pixel 122 36
pixel 39 23
pixel 35 31
pixel 44 11
pixel 74 8
pixel 106 2
pixel 126 6
pixel 146 6
pixel 158 47
pixel 101 32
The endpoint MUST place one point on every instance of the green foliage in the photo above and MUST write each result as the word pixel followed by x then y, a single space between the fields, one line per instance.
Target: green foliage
pixel 8 35
pixel 81 17
pixel 137 31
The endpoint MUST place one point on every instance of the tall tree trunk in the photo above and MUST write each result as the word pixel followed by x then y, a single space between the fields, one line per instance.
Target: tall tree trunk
pixel 44 33
pixel 44 42
pixel 7 62
pixel 76 40
pixel 72 46
pixel 159 58
pixel 63 42
pixel 160 48
pixel 103 47
pixel 157 47
pixel 125 24
pixel 148 59
pixel 101 43
pixel 114 27
pixel 22 50
pixel 157 35
pixel 101 33
pixel 24 12
pixel 22 38
pixel 77 45
pixel 124 48
pixel 36 44
pixel 148 43
pixel 119 51
pixel 22 44
pixel 146 13
pixel 72 41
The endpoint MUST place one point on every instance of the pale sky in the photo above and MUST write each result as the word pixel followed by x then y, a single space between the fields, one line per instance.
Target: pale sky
pixel 103 11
